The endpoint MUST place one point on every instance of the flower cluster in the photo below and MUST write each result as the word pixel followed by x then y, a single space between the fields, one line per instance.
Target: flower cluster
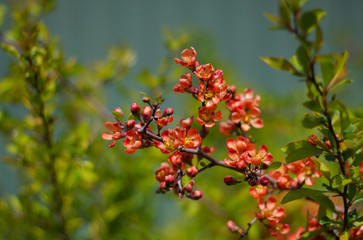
pixel 305 170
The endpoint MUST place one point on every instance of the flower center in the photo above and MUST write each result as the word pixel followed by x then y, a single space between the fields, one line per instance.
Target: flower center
pixel 169 145
pixel 208 95
pixel 206 117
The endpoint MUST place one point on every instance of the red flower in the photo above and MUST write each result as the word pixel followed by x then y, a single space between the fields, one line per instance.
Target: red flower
pixel 189 57
pixel 164 170
pixel 308 171
pixel 170 141
pixel 261 156
pixel 190 138
pixel 207 116
pixel 184 85
pixel 176 159
pixel 163 119
pixel 115 133
pixel 132 141
pixel 258 191
pixel 204 72
pixel 238 151
pixel 268 210
pixel 227 128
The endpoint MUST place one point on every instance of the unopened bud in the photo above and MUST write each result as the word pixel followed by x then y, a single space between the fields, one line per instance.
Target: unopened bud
pixel 192 182
pixel 252 182
pixel 231 89
pixel 197 194
pixel 228 180
pixel 232 226
pixel 135 109
pixel 169 179
pixel 146 99
pixel 312 139
pixel 192 171
pixel 130 124
pixel 146 113
pixel 189 188
pixel 163 185
pixel 119 110
pixel 168 111
pixel 264 180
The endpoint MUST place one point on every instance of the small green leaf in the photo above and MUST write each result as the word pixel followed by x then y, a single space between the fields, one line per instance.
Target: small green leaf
pixel 313 106
pixel 117 115
pixel 352 191
pixel 348 131
pixel 325 220
pixel 327 71
pixel 285 13
pixel 272 18
pixel 274 166
pixel 10 49
pixel 299 150
pixel 316 195
pixel 309 20
pixel 303 57
pixel 311 121
pixel 279 63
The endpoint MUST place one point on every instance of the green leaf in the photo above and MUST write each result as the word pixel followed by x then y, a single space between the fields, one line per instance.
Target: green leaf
pixel 358 145
pixel 327 71
pixel 309 20
pixel 352 191
pixel 318 39
pixel 272 18
pixel 340 71
pixel 285 13
pixel 313 105
pixel 315 195
pixel 303 57
pixel 279 63
pixel 117 115
pixel 299 150
pixel 325 220
pixel 309 235
pixel 10 49
pixel 348 131
pixel 311 121
pixel 274 166
pixel 358 158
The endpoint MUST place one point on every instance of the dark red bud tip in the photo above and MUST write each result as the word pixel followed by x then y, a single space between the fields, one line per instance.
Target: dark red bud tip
pixel 197 194
pixel 168 111
pixel 135 109
pixel 192 182
pixel 252 182
pixel 228 180
pixel 146 113
pixel 312 139
pixel 146 99
pixel 130 124
pixel 192 171
pixel 189 188
pixel 264 180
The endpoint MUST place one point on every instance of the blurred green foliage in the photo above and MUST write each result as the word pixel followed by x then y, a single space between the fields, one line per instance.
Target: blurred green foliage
pixel 70 185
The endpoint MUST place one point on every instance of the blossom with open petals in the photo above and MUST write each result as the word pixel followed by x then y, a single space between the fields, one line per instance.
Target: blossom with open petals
pixel 164 170
pixel 185 83
pixel 262 155
pixel 238 151
pixel 170 141
pixel 308 172
pixel 268 210
pixel 204 72
pixel 132 141
pixel 190 138
pixel 115 134
pixel 189 58
pixel 207 116
pixel 258 191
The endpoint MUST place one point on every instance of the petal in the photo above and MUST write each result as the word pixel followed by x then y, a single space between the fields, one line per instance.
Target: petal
pixel 271 202
pixel 257 123
pixel 107 136
pixel 110 126
pixel 217 116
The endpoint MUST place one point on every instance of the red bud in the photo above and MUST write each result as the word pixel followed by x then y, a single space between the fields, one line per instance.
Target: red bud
pixel 264 180
pixel 228 180
pixel 197 194
pixel 192 171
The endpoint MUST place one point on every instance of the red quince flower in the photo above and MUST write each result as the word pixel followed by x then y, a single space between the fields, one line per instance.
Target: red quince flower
pixel 162 119
pixel 227 128
pixel 268 210
pixel 207 116
pixel 238 150
pixel 115 134
pixel 186 123
pixel 132 141
pixel 164 170
pixel 308 171
pixel 262 155
pixel 356 233
pixel 204 72
pixel 190 138
pixel 313 224
pixel 170 141
pixel 258 191
pixel 185 83
pixel 189 57
pixel 176 159
pixel 297 234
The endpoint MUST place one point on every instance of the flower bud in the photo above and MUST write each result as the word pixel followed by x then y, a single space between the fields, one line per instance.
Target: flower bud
pixel 169 179
pixel 168 111
pixel 197 194
pixel 264 180
pixel 135 109
pixel 146 113
pixel 231 89
pixel 228 180
pixel 163 185
pixel 192 171
pixel 146 99
pixel 312 139
pixel 130 124
pixel 252 182
pixel 119 110
pixel 191 182
pixel 189 188
pixel 232 226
